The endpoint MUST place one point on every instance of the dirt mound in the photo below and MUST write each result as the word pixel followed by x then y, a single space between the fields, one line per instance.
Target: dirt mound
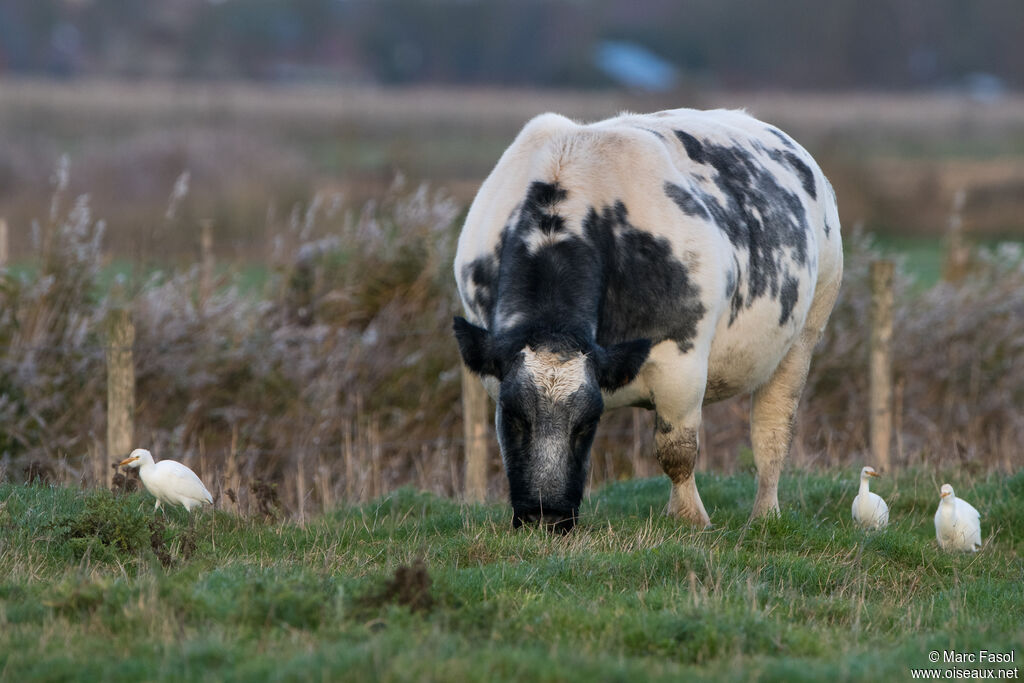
pixel 410 586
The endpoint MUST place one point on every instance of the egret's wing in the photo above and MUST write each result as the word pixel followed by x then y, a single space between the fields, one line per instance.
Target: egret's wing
pixel 967 509
pixel 883 511
pixel 180 480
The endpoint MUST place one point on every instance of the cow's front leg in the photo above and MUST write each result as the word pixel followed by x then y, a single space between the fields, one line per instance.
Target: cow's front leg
pixel 676 446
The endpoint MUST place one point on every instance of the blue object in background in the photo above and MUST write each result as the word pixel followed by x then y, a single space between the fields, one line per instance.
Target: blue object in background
pixel 635 66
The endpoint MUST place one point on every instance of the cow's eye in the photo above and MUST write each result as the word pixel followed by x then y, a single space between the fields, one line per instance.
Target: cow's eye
pixel 514 421
pixel 583 431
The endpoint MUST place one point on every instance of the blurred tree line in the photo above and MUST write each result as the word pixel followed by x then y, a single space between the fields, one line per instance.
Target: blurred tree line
pixel 732 43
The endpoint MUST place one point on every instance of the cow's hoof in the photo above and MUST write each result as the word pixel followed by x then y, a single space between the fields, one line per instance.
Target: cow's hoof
pixel 694 518
pixel 765 513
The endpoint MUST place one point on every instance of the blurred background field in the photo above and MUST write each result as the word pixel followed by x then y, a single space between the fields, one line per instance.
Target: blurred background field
pixel 331 150
pixel 896 160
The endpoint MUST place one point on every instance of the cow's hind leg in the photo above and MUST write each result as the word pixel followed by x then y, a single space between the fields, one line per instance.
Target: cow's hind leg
pixel 772 416
pixel 773 410
pixel 676 447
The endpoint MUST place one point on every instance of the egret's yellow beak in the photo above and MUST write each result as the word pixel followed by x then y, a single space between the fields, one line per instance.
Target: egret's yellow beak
pixel 874 474
pixel 128 461
pixel 943 494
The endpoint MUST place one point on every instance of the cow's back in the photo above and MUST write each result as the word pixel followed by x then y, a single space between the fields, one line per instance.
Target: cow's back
pixel 742 222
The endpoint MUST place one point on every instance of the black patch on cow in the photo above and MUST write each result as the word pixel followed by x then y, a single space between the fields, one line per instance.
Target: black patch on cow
pixel 757 215
pixel 617 278
pixel 483 273
pixel 797 165
pixel 731 276
pixel 557 287
pixel 647 292
pixel 685 200
pixel 785 139
pixel 787 297
pixel 736 300
pixel 832 194
pixel 661 425
pixel 694 149
pixel 540 208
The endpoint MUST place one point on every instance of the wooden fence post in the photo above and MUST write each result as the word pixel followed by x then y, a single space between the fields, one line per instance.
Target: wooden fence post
pixel 474 424
pixel 120 387
pixel 881 362
pixel 5 253
pixel 958 254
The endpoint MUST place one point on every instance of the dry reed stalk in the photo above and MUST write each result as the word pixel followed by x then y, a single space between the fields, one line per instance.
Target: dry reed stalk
pixel 348 456
pixel 453 474
pixel 64 471
pixel 99 465
pixel 203 467
pixel 300 487
pixel 206 263
pixel 898 422
pixel 609 464
pixel 376 452
pixel 422 479
pixel 322 483
pixel 634 451
pixel 234 484
pixel 120 386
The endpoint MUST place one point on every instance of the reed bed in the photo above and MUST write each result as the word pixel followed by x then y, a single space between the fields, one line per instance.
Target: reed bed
pixel 335 377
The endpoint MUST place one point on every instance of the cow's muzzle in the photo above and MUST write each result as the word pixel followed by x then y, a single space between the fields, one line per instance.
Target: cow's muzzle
pixel 560 521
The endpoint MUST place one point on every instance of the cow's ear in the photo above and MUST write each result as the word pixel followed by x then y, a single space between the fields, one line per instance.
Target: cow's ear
pixel 476 347
pixel 618 365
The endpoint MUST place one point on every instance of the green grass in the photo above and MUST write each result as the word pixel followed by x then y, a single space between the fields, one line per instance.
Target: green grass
pixel 91 588
pixel 924 257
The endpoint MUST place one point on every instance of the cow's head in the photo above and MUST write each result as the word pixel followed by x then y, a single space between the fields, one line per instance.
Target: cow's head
pixel 549 404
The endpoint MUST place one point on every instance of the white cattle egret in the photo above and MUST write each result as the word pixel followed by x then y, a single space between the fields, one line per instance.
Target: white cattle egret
pixel 869 510
pixel 170 481
pixel 957 523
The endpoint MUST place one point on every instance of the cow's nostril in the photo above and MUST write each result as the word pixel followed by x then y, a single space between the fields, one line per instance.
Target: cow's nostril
pixel 562 522
pixel 564 525
pixel 522 518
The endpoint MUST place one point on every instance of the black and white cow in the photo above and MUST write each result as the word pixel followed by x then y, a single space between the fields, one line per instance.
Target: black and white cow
pixel 665 260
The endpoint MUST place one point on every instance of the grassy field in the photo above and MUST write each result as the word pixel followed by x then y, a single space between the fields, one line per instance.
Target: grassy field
pixel 414 587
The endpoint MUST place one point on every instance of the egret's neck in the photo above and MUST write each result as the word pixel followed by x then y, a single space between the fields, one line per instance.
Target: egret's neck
pixel 863 485
pixel 948 504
